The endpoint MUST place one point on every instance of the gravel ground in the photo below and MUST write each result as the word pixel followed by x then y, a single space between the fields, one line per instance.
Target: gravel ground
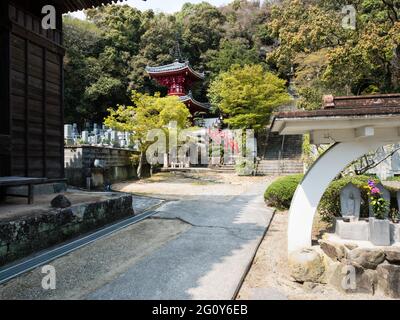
pixel 84 270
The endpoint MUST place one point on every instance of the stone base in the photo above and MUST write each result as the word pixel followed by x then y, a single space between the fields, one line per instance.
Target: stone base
pixel 363 231
pixel 379 232
pixel 357 230
pixel 395 232
pixel 42 226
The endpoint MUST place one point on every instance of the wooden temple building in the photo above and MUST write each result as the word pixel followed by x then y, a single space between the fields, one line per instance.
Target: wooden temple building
pixel 179 77
pixel 32 88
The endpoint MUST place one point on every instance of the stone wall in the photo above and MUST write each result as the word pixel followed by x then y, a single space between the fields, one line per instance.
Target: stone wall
pixel 21 237
pixel 349 268
pixel 79 165
pixel 39 189
pixel 283 147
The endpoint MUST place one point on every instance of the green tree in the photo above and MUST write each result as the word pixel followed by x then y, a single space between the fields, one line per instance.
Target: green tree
pixel 230 53
pixel 360 61
pixel 201 29
pixel 246 96
pixel 245 21
pixel 82 42
pixel 156 48
pixel 147 113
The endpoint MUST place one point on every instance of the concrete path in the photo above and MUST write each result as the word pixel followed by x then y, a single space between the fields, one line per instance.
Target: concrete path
pixel 195 247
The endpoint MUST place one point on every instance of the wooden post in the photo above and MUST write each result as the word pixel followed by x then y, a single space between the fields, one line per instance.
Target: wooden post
pixel 60 28
pixel 5 119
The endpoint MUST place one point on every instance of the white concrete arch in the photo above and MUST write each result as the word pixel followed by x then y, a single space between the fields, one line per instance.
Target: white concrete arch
pixel 319 176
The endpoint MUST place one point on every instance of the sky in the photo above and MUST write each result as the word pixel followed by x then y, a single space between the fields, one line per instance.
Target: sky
pixel 168 6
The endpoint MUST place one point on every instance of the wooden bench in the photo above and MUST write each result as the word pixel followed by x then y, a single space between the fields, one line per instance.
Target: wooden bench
pixel 21 181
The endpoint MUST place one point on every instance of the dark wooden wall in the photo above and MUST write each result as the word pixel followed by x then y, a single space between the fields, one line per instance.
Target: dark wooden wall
pixel 5 135
pixel 35 98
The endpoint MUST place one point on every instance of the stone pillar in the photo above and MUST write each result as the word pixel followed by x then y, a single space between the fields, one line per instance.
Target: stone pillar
pixel 166 164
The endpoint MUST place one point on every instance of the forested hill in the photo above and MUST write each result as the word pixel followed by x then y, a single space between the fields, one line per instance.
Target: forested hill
pixel 299 39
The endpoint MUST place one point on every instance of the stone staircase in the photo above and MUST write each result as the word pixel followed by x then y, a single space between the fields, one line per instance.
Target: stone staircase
pixel 279 167
pixel 226 168
pixel 282 155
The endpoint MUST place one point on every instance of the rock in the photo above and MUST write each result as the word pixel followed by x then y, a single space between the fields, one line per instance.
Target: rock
pixel 389 280
pixel 60 202
pixel 393 255
pixel 267 294
pixel 351 246
pixel 366 258
pixel 309 286
pixel 307 265
pixel 352 278
pixel 335 251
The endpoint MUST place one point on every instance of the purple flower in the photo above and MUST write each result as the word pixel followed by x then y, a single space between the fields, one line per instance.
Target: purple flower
pixel 371 183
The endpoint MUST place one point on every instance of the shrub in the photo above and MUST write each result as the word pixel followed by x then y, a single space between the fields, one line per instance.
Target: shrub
pixel 329 206
pixel 280 193
pixel 395 178
pixel 245 167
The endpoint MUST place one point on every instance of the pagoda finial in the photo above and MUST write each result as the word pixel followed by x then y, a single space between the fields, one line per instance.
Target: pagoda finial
pixel 176 51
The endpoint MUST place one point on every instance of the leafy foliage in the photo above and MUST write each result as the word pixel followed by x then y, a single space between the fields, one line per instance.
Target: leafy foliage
pixel 299 40
pixel 147 113
pixel 280 192
pixel 107 54
pixel 247 96
pixel 329 206
pixel 347 62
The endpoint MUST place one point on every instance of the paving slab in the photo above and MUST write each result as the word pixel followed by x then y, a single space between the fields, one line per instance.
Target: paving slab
pixel 202 263
pixel 206 262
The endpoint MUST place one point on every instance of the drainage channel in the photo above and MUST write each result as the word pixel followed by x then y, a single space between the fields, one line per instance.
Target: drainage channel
pixel 9 272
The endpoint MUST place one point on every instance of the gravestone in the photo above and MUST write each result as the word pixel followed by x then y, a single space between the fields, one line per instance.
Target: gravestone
pixel 385 194
pixel 85 136
pixel 68 135
pixel 350 201
pixel 68 131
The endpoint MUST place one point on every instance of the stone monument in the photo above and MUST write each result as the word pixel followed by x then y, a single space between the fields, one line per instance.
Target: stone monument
pixel 350 201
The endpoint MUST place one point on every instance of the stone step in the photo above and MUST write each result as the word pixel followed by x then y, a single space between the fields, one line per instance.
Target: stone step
pixel 273 167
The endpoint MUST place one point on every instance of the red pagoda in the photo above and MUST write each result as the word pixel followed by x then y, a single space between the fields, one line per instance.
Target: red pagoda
pixel 179 77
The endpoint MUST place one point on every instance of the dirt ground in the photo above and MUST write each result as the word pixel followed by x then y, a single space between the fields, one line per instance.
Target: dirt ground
pixel 171 185
pixel 269 279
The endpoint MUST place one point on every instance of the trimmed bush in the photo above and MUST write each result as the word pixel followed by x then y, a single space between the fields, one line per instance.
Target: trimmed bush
pixel 329 206
pixel 280 193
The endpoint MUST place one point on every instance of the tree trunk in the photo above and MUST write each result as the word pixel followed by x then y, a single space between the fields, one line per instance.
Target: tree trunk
pixel 396 69
pixel 141 162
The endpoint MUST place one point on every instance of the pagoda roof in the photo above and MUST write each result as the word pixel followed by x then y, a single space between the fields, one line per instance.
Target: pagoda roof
pixel 174 68
pixel 189 99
